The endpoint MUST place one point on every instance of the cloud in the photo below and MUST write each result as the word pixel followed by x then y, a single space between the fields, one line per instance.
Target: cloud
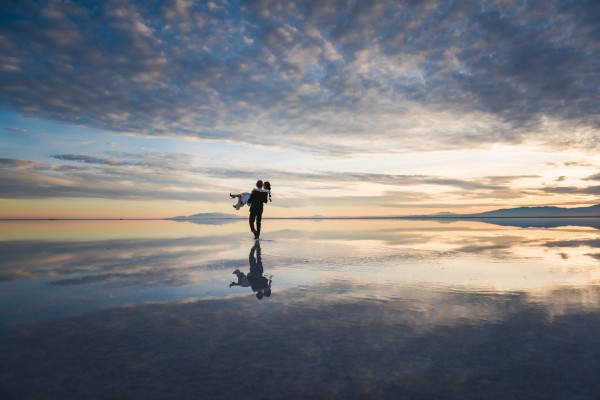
pixel 176 176
pixel 101 179
pixel 589 190
pixel 592 243
pixel 330 76
pixel 85 159
pixel 18 130
pixel 17 164
pixel 595 255
pixel 595 177
pixel 578 164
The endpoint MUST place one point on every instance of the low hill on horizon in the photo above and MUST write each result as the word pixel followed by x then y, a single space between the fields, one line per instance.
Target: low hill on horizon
pixel 199 216
pixel 526 212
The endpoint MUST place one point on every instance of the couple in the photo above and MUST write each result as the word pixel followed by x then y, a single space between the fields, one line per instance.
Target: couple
pixel 255 200
pixel 255 279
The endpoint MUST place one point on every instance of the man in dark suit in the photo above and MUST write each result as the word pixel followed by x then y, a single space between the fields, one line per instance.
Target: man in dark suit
pixel 257 199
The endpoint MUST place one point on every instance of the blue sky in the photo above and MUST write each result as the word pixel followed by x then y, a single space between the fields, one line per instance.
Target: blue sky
pixel 161 108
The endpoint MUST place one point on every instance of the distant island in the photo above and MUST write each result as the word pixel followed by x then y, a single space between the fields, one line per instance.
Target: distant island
pixel 207 216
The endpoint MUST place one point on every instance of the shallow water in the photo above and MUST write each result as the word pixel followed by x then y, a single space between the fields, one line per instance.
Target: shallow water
pixel 357 309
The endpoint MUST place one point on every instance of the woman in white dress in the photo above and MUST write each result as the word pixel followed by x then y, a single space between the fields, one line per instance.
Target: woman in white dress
pixel 242 199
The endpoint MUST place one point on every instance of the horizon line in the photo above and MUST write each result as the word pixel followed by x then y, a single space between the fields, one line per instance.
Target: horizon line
pixel 441 215
pixel 408 217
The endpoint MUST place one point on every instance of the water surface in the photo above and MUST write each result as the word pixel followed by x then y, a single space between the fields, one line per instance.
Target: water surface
pixel 332 309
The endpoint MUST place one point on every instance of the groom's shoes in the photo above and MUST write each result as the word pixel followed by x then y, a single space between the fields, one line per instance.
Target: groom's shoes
pixel 256 236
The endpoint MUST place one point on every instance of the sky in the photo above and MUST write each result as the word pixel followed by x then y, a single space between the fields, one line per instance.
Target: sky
pixel 154 109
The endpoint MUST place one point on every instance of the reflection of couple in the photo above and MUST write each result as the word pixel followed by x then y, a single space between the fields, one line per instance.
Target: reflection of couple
pixel 255 279
pixel 255 200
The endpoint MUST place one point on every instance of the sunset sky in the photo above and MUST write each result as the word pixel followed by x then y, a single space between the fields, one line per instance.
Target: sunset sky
pixel 116 109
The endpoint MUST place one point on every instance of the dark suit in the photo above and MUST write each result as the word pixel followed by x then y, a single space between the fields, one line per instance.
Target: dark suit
pixel 257 200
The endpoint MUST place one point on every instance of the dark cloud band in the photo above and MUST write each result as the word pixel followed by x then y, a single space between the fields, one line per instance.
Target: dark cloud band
pixel 181 177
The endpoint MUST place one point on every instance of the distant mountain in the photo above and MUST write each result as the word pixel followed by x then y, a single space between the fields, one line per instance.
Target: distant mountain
pixel 540 212
pixel 540 222
pixel 525 212
pixel 528 217
pixel 206 216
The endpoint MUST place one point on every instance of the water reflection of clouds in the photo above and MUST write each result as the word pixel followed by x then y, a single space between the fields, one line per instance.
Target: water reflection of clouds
pixel 458 345
pixel 368 259
pixel 500 246
pixel 461 236
pixel 359 311
pixel 30 260
pixel 149 276
pixel 327 246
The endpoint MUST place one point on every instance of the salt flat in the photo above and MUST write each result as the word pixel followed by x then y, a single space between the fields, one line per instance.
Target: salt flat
pixel 355 309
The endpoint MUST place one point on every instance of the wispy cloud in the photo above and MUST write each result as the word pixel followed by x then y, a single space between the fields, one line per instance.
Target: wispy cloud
pixel 590 190
pixel 595 177
pixel 88 159
pixel 327 76
pixel 17 130
pixel 176 176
